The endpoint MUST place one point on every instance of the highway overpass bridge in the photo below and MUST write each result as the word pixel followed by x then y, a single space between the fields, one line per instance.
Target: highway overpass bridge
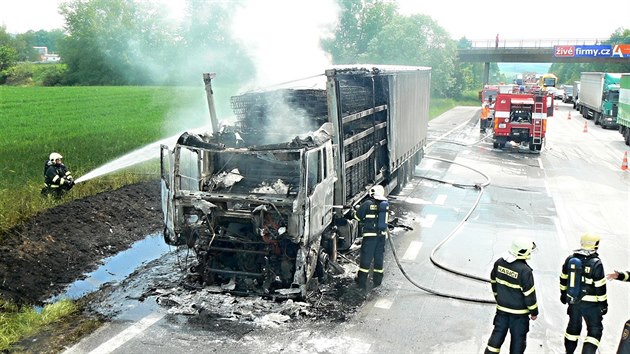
pixel 541 51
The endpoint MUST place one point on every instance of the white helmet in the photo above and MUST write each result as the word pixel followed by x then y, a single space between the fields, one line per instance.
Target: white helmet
pixel 54 156
pixel 522 248
pixel 378 192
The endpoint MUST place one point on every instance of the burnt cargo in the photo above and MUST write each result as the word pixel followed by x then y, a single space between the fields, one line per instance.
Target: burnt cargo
pixel 264 203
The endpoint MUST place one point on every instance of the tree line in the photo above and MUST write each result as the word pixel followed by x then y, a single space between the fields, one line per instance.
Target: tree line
pixel 133 42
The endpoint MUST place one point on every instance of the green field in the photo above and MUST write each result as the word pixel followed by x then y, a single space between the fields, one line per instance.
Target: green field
pixel 89 126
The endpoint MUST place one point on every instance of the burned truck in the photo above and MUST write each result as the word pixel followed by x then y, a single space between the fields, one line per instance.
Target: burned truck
pixel 264 203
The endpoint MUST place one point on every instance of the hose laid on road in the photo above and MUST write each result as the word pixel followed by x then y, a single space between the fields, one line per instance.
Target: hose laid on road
pixel 474 206
pixel 480 187
pixel 431 291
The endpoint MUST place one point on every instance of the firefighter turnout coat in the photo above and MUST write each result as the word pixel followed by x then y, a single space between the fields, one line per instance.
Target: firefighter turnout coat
pixel 513 287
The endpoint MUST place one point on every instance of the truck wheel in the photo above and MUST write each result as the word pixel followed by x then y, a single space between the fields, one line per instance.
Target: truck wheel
pixel 627 136
pixel 495 145
pixel 532 146
pixel 596 118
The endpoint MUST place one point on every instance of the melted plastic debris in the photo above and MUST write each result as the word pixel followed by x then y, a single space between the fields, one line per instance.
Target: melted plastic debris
pixel 227 179
pixel 279 187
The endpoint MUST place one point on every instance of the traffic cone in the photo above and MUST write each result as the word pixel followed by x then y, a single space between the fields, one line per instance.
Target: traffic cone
pixel 569 117
pixel 624 164
pixel 585 128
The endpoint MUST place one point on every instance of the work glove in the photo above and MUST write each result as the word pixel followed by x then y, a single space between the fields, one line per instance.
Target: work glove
pixel 563 298
pixel 604 309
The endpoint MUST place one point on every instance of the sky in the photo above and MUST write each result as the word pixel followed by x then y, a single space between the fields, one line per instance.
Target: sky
pixel 537 19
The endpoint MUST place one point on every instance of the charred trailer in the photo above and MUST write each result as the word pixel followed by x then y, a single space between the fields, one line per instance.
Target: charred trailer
pixel 264 203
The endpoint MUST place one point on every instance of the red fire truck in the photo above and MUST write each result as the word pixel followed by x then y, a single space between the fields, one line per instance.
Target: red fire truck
pixel 521 118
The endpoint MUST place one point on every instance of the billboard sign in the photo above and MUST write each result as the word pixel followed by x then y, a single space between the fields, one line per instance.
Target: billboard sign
pixel 592 51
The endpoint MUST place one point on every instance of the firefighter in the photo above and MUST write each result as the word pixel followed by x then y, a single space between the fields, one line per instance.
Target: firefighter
pixel 483 118
pixel 57 178
pixel 373 217
pixel 583 288
pixel 624 343
pixel 512 283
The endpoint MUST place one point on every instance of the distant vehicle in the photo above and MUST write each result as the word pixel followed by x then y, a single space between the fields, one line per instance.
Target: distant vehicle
pixel 599 98
pixel 558 94
pixel 521 118
pixel 547 80
pixel 568 94
pixel 623 114
pixel 576 94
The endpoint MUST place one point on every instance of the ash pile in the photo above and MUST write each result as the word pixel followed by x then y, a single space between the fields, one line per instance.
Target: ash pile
pixel 333 299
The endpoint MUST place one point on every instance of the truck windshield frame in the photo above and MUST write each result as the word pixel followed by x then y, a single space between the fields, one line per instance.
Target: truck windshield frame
pixel 245 172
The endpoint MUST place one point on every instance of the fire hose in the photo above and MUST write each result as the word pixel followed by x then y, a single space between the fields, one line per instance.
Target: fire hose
pixel 480 188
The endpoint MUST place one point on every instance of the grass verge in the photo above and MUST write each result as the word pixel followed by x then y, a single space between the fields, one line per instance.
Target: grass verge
pixel 17 323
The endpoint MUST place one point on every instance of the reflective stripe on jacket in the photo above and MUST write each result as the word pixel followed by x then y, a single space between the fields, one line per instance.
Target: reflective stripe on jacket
pixel 513 287
pixel 368 215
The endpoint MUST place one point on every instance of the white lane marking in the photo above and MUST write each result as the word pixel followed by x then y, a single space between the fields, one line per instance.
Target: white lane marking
pixel 428 221
pixel 383 304
pixel 412 251
pixel 547 190
pixel 540 164
pixel 127 334
pixel 440 199
pixel 561 237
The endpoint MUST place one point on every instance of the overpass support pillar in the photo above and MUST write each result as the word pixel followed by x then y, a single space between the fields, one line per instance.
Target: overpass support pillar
pixel 486 73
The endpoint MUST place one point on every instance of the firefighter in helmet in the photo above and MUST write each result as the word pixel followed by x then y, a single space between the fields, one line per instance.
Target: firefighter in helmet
pixel 624 343
pixel 57 178
pixel 583 288
pixel 512 283
pixel 372 215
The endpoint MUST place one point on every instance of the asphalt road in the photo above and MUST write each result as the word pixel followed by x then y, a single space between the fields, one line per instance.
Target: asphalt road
pixel 574 185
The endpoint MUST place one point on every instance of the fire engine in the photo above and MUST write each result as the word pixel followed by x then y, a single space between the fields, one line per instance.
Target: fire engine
pixel 521 118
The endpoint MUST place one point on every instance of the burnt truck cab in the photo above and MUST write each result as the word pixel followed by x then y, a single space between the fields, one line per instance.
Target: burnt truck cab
pixel 521 118
pixel 255 213
pixel 264 203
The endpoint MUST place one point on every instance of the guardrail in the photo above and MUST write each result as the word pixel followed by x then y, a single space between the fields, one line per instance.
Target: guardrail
pixel 534 43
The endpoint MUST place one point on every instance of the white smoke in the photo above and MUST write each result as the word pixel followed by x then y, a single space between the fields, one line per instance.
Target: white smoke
pixel 283 37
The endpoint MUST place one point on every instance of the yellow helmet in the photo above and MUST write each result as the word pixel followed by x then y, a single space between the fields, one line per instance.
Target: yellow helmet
pixel 522 248
pixel 589 242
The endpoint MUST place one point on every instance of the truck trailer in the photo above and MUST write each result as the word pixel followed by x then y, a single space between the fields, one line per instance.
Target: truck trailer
pixel 623 114
pixel 599 96
pixel 265 204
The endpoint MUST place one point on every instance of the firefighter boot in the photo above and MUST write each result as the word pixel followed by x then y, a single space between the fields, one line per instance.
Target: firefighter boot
pixel 361 279
pixel 377 278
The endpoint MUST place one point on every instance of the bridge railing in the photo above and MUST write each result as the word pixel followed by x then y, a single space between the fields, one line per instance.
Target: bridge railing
pixel 533 43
